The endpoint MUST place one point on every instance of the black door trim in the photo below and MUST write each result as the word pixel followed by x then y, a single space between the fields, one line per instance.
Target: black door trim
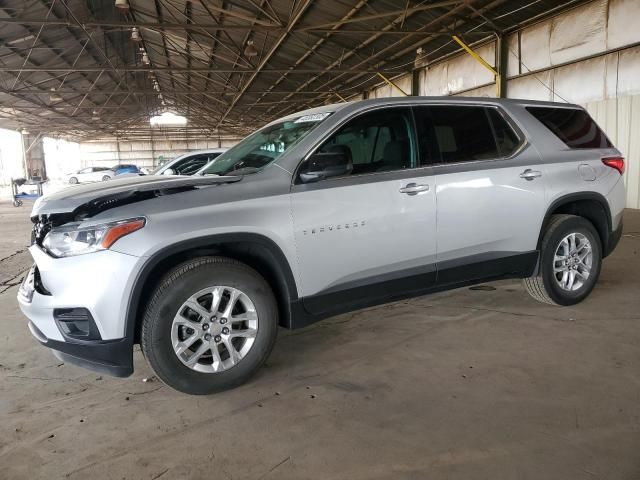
pixel 409 283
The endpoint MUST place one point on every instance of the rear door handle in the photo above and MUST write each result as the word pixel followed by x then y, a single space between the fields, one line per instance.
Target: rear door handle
pixel 529 174
pixel 414 188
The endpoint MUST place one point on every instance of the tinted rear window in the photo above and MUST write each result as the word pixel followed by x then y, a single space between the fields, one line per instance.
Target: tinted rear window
pixel 571 125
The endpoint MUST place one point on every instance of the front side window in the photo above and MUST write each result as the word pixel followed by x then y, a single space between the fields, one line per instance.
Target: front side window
pixel 462 133
pixel 378 141
pixel 571 125
pixel 264 146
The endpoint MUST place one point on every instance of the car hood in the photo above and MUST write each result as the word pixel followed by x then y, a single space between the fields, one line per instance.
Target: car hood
pixel 94 198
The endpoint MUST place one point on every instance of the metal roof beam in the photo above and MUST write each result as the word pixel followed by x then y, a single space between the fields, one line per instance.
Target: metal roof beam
pixel 162 26
pixel 99 68
pixel 395 13
pixel 292 22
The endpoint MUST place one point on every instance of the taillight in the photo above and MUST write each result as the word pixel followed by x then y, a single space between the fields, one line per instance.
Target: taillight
pixel 615 162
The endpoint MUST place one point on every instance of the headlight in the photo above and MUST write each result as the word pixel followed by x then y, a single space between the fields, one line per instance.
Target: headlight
pixel 77 240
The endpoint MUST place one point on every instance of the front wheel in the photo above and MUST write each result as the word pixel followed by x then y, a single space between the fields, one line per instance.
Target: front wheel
pixel 73 180
pixel 570 261
pixel 210 324
pixel 105 178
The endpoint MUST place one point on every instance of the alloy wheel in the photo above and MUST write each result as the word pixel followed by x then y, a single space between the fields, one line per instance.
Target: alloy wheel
pixel 573 261
pixel 214 329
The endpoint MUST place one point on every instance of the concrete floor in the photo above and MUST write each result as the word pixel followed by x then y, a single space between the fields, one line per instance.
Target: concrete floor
pixel 467 384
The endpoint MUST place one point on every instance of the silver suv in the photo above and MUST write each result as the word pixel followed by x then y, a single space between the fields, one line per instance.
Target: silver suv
pixel 321 212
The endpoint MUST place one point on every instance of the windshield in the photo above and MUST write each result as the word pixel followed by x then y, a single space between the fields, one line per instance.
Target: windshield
pixel 264 146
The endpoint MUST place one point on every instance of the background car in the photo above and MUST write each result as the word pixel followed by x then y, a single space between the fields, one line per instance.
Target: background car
pixel 126 168
pixel 90 174
pixel 189 163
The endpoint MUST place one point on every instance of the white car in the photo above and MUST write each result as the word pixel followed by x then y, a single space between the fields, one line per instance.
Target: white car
pixel 188 163
pixel 90 174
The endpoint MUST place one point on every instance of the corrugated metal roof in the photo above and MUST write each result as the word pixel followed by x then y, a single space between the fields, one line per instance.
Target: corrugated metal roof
pixel 306 53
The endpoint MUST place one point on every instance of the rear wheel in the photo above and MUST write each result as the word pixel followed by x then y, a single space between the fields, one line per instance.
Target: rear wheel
pixel 570 261
pixel 73 180
pixel 105 178
pixel 209 326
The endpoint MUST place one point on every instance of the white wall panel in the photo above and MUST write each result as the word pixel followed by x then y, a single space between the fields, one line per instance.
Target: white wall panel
pixel 580 82
pixel 433 80
pixel 611 75
pixel 513 55
pixel 628 81
pixel 531 87
pixel 536 47
pixel 579 33
pixel 381 91
pixel 460 73
pixel 623 23
pixel 464 72
pixel 404 83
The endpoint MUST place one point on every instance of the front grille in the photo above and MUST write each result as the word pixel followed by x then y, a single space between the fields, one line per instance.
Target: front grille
pixel 40 230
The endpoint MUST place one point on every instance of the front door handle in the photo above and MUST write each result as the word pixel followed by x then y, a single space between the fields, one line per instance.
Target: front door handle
pixel 529 174
pixel 414 188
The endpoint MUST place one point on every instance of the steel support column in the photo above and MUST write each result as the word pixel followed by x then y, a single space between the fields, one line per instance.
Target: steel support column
pixel 502 63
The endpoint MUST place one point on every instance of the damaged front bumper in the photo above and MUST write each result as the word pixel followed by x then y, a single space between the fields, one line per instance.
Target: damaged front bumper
pixel 76 306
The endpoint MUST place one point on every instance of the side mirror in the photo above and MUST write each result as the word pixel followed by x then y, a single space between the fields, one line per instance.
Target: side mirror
pixel 169 171
pixel 324 165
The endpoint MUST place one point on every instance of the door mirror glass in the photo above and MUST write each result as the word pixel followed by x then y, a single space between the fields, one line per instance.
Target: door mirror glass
pixel 169 171
pixel 321 165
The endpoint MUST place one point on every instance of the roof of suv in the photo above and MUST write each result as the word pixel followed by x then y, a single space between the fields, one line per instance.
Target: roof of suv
pixel 335 107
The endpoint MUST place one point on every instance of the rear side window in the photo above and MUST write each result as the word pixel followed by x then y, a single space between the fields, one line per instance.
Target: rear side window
pixel 571 125
pixel 462 133
pixel 507 140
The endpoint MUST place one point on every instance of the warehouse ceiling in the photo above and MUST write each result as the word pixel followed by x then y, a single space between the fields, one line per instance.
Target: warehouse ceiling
pixel 87 68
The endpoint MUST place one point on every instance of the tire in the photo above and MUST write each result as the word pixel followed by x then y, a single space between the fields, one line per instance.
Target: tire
pixel 545 286
pixel 105 178
pixel 73 180
pixel 159 330
pixel 17 203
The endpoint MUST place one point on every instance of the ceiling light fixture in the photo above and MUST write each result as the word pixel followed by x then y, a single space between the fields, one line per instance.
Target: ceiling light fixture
pixel 250 50
pixel 168 118
pixel 145 58
pixel 135 35
pixel 96 115
pixel 122 5
pixel 54 96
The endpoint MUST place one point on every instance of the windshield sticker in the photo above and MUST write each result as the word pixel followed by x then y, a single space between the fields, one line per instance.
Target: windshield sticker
pixel 316 117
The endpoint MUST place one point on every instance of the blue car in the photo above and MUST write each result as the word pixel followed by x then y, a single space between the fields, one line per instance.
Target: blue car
pixel 124 168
